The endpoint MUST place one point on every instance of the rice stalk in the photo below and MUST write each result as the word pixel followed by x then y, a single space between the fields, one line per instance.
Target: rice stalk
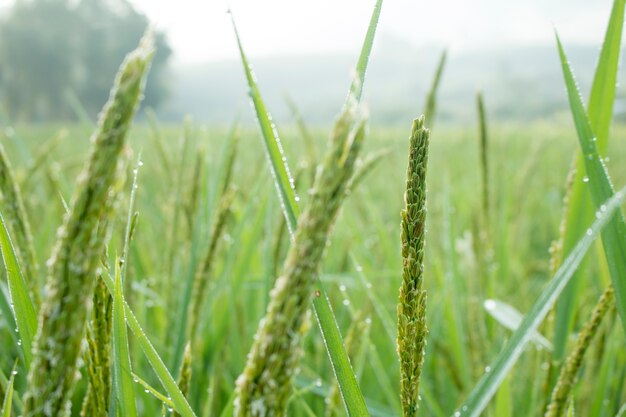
pixel 75 259
pixel 430 109
pixel 97 356
pixel 16 220
pixel 365 166
pixel 203 276
pixel 305 133
pixel 184 379
pixel 412 330
pixel 484 157
pixel 191 203
pixel 265 385
pixel 567 378
pixel 158 142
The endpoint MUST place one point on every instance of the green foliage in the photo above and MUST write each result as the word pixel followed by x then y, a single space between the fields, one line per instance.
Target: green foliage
pixel 122 371
pixel 208 280
pixel 24 312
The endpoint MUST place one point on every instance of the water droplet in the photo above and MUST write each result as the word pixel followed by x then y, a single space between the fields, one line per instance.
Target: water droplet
pixel 136 380
pixel 489 304
pixel 589 232
pixel 318 382
pixel 342 288
pixel 585 179
pixel 19 342
pixel 140 163
pixel 487 369
pixel 346 302
pixel 603 208
pixel 297 198
pixel 14 372
pixel 146 391
pixel 457 414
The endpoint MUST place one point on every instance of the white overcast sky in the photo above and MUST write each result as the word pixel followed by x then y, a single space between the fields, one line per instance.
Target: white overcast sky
pixel 200 31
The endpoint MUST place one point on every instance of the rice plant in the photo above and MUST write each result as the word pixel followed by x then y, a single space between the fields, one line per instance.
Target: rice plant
pixel 238 277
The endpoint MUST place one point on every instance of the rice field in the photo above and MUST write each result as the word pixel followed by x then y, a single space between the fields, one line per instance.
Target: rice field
pixel 357 270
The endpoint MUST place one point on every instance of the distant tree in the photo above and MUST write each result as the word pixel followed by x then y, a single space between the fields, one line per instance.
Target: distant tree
pixel 49 48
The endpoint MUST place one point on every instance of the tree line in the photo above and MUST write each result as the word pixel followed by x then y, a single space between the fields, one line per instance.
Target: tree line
pixel 58 58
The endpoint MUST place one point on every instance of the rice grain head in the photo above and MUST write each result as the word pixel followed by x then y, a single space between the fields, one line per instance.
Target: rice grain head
pixel 75 259
pixel 412 330
pixel 266 383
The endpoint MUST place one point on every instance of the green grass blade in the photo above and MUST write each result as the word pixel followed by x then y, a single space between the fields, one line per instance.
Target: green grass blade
pixel 273 148
pixel 604 84
pixel 510 318
pixel 356 88
pixel 169 384
pixel 348 385
pixel 614 236
pixel 8 396
pixel 7 313
pixel 579 211
pixel 149 389
pixel 124 388
pixel 23 308
pixel 489 383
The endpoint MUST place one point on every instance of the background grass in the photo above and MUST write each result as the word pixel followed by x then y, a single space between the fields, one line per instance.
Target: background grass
pixel 528 166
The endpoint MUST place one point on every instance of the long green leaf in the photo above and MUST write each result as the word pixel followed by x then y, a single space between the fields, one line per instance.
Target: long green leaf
pixel 7 313
pixel 614 236
pixel 169 384
pixel 356 88
pixel 579 211
pixel 8 396
pixel 602 97
pixel 348 385
pixel 124 388
pixel 23 308
pixel 278 162
pixel 489 383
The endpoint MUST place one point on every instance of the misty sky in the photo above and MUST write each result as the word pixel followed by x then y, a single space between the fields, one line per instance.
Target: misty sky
pixel 201 30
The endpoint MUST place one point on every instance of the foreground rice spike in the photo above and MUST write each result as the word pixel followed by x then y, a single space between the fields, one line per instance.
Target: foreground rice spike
pixel 412 329
pixel 75 259
pixel 96 401
pixel 12 209
pixel 567 378
pixel 266 382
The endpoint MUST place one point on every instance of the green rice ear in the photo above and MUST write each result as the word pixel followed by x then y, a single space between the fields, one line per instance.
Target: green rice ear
pixel 76 257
